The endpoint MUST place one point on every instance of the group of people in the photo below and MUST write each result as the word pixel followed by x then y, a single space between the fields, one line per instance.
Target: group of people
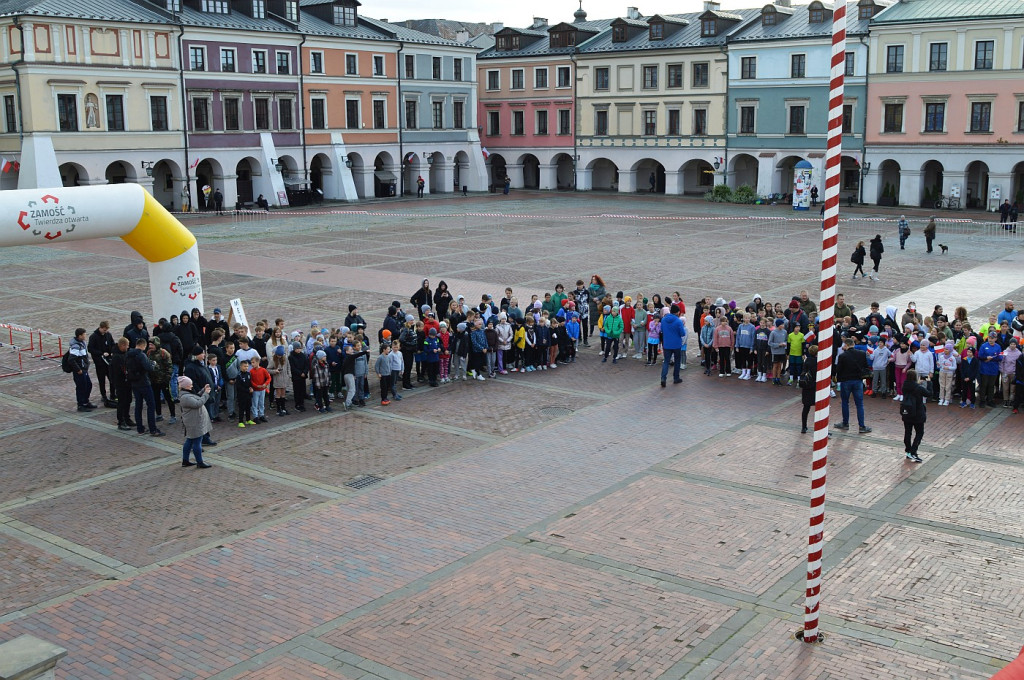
pixel 440 338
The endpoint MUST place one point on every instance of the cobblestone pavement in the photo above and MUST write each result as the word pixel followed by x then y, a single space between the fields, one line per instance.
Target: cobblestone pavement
pixel 574 523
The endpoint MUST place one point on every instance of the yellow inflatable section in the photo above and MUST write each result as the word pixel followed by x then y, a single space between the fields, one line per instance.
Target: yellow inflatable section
pixel 39 217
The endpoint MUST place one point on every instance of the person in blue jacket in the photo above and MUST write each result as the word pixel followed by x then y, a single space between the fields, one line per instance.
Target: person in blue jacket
pixel 990 355
pixel 672 334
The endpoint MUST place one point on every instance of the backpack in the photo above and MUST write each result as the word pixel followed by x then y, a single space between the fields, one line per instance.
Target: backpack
pixel 67 363
pixel 908 408
pixel 131 368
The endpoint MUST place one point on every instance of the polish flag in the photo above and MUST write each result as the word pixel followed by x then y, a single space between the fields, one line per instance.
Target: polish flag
pixel 194 164
pixel 5 165
pixel 485 152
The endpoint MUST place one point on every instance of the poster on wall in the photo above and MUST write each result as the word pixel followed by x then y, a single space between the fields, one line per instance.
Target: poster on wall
pixel 282 198
pixel 802 186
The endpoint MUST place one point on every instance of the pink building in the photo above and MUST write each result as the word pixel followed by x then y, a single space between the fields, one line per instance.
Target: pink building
pixel 526 102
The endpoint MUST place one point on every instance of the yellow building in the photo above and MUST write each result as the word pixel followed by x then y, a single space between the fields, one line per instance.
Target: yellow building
pixel 651 96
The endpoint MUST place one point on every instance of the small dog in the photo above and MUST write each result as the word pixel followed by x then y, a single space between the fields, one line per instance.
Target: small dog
pixel 944 248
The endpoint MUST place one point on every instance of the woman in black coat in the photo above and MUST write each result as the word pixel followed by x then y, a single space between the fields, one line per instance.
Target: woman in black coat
pixel 442 300
pixel 421 297
pixel 859 253
pixel 914 413
pixel 807 385
pixel 876 251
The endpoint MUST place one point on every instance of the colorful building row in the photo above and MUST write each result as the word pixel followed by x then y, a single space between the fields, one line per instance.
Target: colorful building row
pixel 292 100
pixel 676 103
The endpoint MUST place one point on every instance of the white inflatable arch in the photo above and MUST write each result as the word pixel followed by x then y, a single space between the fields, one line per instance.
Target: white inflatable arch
pixel 39 217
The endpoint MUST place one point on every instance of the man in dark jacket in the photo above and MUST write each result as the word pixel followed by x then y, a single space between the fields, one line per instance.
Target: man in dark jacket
pixel 170 342
pixel 186 336
pixel 298 363
pixel 851 367
pixel 672 333
pixel 354 318
pixel 200 375
pixel 136 330
pixel 216 321
pixel 101 345
pixel 79 353
pixel 139 366
pixel 119 385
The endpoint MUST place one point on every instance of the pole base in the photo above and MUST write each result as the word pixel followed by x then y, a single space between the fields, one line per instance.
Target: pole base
pixel 799 635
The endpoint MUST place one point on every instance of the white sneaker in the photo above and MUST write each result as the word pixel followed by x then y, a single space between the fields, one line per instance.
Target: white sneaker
pixel 480 377
pixel 552 366
pixel 901 397
pixel 896 398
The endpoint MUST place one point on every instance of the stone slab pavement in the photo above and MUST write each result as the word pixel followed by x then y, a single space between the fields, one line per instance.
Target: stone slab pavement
pixel 575 523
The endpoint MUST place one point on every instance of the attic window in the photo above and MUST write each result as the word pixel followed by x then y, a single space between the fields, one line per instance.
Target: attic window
pixel 866 11
pixel 708 28
pixel 769 17
pixel 173 5
pixel 291 10
pixel 344 16
pixel 657 30
pixel 215 6
pixel 618 34
pixel 562 39
pixel 506 42
pixel 816 14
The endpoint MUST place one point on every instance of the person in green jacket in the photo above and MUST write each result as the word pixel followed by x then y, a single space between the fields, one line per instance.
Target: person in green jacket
pixel 558 297
pixel 612 332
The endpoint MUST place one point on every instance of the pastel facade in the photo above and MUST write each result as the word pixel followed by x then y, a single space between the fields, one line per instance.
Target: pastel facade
pixel 779 72
pixel 651 102
pixel 527 102
pixel 945 108
pixel 104 89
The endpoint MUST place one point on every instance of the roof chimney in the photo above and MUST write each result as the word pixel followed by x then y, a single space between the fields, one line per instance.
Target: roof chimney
pixel 497 26
pixel 712 5
pixel 539 22
pixel 784 3
pixel 462 36
pixel 632 13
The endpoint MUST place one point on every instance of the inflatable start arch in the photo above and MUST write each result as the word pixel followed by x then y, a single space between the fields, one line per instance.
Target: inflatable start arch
pixel 38 217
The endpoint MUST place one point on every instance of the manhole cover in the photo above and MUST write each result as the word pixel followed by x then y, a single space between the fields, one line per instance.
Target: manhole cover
pixel 363 481
pixel 552 412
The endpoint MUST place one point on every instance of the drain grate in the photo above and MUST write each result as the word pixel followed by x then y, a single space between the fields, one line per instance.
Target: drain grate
pixel 363 481
pixel 552 412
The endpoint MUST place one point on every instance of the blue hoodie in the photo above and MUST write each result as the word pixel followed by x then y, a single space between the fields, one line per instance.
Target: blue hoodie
pixel 745 336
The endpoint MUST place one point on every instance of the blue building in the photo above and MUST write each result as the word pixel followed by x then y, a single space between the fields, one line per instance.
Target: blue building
pixel 777 109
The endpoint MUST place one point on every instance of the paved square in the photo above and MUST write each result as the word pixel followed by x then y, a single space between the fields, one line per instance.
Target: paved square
pixel 159 513
pixel 525 616
pixel 473 469
pixel 860 472
pixel 714 536
pixel 773 653
pixel 979 495
pixel 950 590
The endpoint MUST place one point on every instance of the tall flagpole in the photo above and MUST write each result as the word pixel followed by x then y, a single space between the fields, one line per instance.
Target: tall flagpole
pixel 829 240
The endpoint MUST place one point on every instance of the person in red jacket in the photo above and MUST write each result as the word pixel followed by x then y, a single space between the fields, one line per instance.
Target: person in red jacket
pixel 260 377
pixel 628 313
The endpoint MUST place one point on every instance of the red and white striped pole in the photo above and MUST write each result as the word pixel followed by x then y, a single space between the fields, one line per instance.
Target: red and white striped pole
pixel 829 240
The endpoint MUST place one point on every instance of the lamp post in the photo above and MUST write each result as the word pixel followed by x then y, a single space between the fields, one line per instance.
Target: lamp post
pixel 865 167
pixel 148 167
pixel 277 164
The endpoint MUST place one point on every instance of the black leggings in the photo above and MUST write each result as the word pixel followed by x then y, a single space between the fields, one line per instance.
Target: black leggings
pixel 860 268
pixel 585 328
pixel 724 363
pixel 613 346
pixel 743 358
pixel 652 352
pixel 918 431
pixel 804 414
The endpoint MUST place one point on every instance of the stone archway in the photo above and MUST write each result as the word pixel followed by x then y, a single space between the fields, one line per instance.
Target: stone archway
pixel 976 179
pixel 565 172
pixel 531 171
pixel 604 175
pixel 931 183
pixel 650 176
pixel 888 183
pixel 166 184
pixel 73 175
pixel 206 173
pixel 120 172
pixel 744 171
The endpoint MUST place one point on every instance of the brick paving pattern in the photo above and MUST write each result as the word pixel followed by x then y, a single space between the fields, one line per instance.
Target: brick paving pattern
pixel 526 616
pixel 773 653
pixel 744 543
pixel 705 480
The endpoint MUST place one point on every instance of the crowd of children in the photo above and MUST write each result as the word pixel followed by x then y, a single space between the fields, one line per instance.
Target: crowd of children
pixel 443 339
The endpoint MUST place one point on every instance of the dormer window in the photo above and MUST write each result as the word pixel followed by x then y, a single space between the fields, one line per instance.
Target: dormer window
pixel 173 5
pixel 562 39
pixel 291 10
pixel 506 42
pixel 259 9
pixel 708 28
pixel 657 30
pixel 344 15
pixel 816 14
pixel 215 6
pixel 618 34
pixel 866 10
pixel 769 17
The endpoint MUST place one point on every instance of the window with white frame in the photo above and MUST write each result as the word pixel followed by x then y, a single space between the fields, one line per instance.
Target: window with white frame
pixel 564 77
pixel 493 123
pixel 892 116
pixel 518 79
pixel 291 10
pixel 197 58
pixel 984 53
pixel 938 56
pixel 493 80
pixel 748 119
pixel 261 112
pixel 459 114
pixel 674 125
pixel 601 122
pixel 457 69
pixel 201 114
pixel 318 113
pixel 981 116
pixel 437 114
pixel 115 111
pixel 894 59
pixel 518 122
pixel 851 63
pixel 380 114
pixel 650 122
pixel 285 114
pixel 158 118
pixel 540 126
pixel 798 66
pixel 284 63
pixel 540 78
pixel 351 64
pixel 410 66
pixel 411 111
pixel 934 116
pixel 316 62
pixel 215 6
pixel 227 60
pixel 435 68
pixel 700 121
pixel 352 113
pixel 232 113
pixel 601 78
pixel 259 61
pixel 378 66
pixel 796 117
pixel 259 9
pixel 564 122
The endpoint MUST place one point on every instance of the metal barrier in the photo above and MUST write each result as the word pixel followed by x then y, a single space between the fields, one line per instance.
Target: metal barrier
pixel 38 344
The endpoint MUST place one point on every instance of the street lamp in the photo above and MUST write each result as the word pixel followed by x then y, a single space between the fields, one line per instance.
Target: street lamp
pixel 717 164
pixel 429 157
pixel 277 164
pixel 865 167
pixel 148 167
pixel 348 162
